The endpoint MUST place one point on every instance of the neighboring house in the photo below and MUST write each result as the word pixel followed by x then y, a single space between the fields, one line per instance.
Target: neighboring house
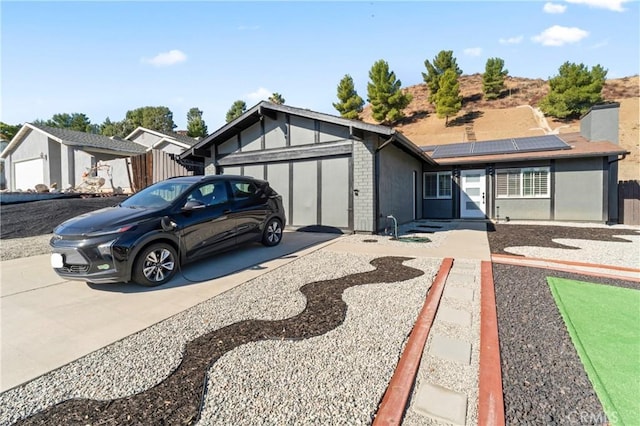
pixel 351 175
pixel 330 171
pixel 172 143
pixel 45 155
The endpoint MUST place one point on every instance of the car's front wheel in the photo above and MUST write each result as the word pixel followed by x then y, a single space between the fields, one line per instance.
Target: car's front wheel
pixel 272 234
pixel 155 265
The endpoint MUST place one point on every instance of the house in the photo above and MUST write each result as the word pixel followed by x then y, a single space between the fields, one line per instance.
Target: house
pixel 169 142
pixel 331 172
pixel 350 175
pixel 40 154
pixel 570 176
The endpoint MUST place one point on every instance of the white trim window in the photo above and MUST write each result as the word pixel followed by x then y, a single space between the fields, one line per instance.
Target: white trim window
pixel 532 182
pixel 436 185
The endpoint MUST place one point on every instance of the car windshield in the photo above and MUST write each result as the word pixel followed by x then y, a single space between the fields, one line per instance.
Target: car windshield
pixel 159 195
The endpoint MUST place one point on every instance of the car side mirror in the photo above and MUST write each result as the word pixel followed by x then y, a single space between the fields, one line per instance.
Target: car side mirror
pixel 193 205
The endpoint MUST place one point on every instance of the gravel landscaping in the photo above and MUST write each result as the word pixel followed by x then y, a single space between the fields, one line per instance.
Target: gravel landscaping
pixel 361 353
pixel 544 381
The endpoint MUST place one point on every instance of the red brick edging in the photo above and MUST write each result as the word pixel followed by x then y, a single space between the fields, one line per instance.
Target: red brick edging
pixel 490 398
pixel 522 261
pixel 395 399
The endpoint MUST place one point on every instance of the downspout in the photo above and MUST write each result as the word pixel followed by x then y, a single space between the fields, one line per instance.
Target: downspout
pixel 377 179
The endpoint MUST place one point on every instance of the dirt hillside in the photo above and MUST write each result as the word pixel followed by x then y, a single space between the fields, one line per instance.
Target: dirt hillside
pixel 512 115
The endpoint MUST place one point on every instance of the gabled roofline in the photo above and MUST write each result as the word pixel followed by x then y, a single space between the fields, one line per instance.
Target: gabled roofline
pixel 258 110
pixel 144 129
pixel 171 141
pixel 17 139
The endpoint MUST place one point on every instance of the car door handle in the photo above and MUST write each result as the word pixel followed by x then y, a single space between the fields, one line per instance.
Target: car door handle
pixel 227 211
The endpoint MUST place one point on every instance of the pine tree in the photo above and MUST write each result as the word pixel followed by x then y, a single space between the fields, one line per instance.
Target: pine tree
pixel 493 78
pixel 448 99
pixel 276 98
pixel 350 105
pixel 386 98
pixel 237 109
pixel 442 62
pixel 574 90
pixel 196 127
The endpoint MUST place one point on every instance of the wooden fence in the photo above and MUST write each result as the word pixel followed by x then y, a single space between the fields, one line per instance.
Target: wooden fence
pixel 154 166
pixel 629 202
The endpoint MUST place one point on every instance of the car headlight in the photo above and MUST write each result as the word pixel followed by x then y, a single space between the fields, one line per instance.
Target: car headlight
pixel 109 231
pixel 105 248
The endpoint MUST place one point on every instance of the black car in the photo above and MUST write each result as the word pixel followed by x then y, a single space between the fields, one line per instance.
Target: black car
pixel 148 236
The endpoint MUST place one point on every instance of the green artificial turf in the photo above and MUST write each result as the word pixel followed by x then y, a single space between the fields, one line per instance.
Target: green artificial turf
pixel 604 324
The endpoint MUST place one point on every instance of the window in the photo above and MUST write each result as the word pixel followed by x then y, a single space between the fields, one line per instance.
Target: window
pixel 243 190
pixel 523 183
pixel 436 185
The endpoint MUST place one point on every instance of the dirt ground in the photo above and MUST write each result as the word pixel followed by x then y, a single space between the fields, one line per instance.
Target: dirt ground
pixel 512 116
pixel 41 217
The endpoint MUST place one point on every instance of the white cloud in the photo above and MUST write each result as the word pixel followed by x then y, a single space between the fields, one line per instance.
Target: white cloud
pixel 554 8
pixel 166 59
pixel 511 40
pixel 473 51
pixel 559 36
pixel 259 95
pixel 614 5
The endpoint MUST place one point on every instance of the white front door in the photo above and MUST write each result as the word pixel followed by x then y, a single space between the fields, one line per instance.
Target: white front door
pixel 472 197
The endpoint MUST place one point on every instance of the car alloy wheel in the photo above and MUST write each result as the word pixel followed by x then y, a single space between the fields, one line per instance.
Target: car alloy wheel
pixel 156 265
pixel 272 233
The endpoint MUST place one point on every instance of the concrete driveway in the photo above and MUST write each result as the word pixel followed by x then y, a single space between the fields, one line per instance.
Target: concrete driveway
pixel 47 322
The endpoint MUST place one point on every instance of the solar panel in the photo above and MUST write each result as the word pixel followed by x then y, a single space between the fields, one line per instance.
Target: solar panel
pixel 541 143
pixel 453 150
pixel 500 146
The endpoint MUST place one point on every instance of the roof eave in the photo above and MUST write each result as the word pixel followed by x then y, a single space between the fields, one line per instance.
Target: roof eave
pixel 530 158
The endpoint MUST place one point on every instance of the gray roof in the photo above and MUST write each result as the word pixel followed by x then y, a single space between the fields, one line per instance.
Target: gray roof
pixel 253 115
pixel 183 138
pixel 90 140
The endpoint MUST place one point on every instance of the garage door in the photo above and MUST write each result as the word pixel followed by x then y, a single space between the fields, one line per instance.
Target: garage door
pixel 28 173
pixel 314 192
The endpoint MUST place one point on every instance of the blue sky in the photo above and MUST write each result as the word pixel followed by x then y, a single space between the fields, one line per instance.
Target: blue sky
pixel 105 58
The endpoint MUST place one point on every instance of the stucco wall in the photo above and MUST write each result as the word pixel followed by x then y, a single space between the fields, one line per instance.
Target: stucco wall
pixel 55 166
pixel 146 139
pixel 437 209
pixel 396 184
pixel 579 189
pixel 523 208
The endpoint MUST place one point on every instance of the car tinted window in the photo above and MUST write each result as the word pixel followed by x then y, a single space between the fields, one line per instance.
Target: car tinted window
pixel 210 194
pixel 158 195
pixel 242 189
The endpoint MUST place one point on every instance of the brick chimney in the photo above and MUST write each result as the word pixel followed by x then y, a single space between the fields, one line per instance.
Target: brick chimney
pixel 600 123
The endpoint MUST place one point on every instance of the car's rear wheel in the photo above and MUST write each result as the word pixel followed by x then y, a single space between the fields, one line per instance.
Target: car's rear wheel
pixel 272 234
pixel 155 265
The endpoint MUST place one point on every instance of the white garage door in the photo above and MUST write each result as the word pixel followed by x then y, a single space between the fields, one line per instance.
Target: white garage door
pixel 28 173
